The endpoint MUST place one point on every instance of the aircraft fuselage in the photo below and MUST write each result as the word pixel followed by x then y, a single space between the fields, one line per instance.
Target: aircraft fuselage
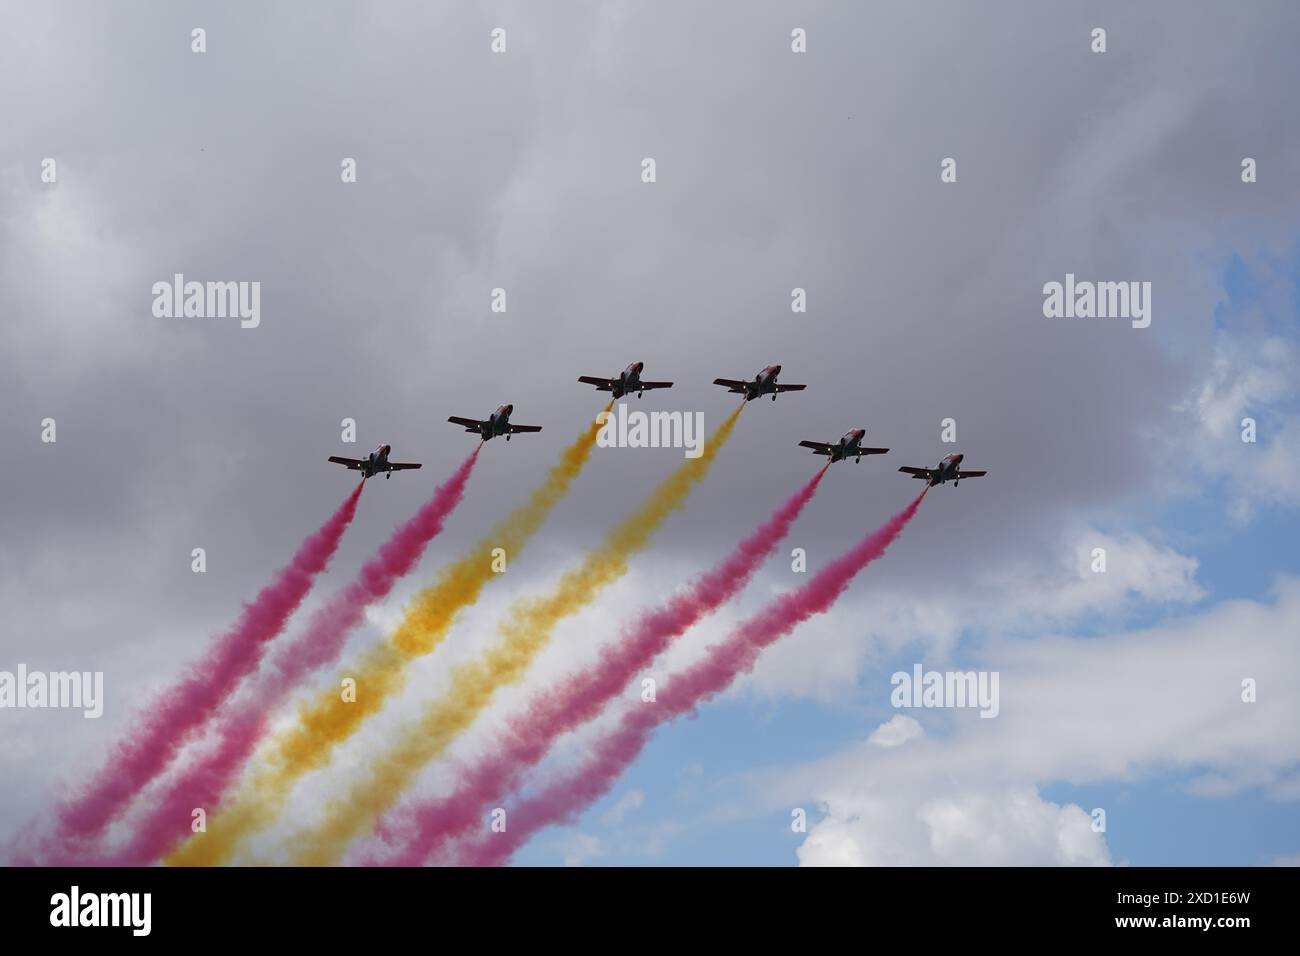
pixel 498 423
pixel 376 462
pixel 849 446
pixel 764 383
pixel 947 470
pixel 628 381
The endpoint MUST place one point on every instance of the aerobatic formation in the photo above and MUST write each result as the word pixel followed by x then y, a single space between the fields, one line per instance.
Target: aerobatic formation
pixel 212 761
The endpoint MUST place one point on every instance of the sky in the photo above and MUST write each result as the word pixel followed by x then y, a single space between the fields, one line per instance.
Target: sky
pixel 775 170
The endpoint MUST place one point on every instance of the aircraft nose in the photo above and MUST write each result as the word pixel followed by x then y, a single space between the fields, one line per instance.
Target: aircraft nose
pixel 510 409
pixel 958 458
pixel 776 370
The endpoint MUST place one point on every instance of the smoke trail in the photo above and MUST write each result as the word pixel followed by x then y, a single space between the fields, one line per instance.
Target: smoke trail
pixel 241 720
pixel 424 827
pixel 526 630
pixel 564 798
pixel 161 729
pixel 328 721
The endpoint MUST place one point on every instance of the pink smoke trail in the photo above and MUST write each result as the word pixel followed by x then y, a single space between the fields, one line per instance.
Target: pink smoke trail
pixel 242 721
pixel 424 827
pixel 161 729
pixel 569 794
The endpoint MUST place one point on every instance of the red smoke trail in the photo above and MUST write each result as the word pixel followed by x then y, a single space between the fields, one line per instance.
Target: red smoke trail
pixel 162 728
pixel 242 721
pixel 565 797
pixel 425 827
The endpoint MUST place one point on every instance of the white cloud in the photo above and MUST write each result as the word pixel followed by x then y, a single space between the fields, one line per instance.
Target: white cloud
pixel 1136 569
pixel 1027 597
pixel 1243 377
pixel 1251 374
pixel 1080 710
pixel 1009 827
pixel 896 731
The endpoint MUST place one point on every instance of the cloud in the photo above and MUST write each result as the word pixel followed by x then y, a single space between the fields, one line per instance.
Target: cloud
pixel 1250 377
pixel 1119 707
pixel 1022 595
pixel 1011 827
pixel 896 731
pixel 1073 580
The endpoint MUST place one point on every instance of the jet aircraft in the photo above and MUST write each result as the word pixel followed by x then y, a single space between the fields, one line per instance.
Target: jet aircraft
pixel 764 383
pixel 376 463
pixel 948 470
pixel 498 423
pixel 627 382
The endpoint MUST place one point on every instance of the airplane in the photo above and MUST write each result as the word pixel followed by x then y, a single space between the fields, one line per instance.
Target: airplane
pixel 850 446
pixel 628 381
pixel 764 383
pixel 375 463
pixel 498 423
pixel 947 470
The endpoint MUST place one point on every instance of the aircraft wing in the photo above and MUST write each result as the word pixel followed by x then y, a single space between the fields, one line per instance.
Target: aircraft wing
pixel 790 388
pixel 731 384
pixel 402 465
pixel 352 463
pixel 602 384
pixel 524 428
pixel 872 451
pixel 918 472
pixel 818 447
pixel 473 424
pixel 970 474
pixel 652 385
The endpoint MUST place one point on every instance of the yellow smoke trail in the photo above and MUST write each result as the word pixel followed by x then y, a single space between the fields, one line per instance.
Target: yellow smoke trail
pixel 526 630
pixel 328 721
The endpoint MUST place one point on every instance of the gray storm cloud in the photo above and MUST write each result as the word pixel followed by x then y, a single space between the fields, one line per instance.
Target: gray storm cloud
pixel 522 171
